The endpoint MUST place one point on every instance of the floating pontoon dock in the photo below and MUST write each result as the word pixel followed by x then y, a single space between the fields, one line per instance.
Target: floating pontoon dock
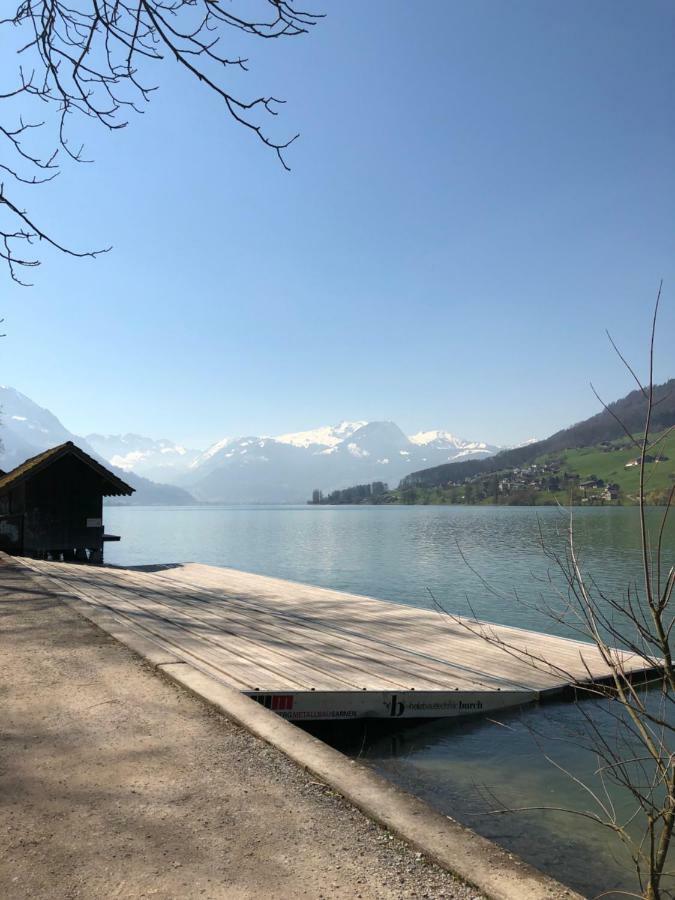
pixel 311 653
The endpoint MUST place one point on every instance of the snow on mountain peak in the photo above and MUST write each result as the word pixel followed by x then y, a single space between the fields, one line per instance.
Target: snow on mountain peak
pixel 324 436
pixel 128 461
pixel 210 451
pixel 246 468
pixel 424 438
pixel 159 459
pixel 357 451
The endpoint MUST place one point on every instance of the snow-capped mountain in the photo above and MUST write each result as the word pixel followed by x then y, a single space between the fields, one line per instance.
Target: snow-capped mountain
pixel 288 467
pixel 160 460
pixel 245 448
pixel 251 469
pixel 444 440
pixel 27 429
pixel 326 436
pixel 381 443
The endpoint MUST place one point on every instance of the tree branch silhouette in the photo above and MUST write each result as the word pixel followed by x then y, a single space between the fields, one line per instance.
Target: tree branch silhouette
pixel 639 754
pixel 90 59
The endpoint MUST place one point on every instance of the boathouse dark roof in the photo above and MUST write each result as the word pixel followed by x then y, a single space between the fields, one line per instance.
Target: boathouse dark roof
pixel 112 485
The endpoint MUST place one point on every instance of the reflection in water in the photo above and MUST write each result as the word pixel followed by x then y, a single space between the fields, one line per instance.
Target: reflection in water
pixel 397 553
pixel 466 768
pixel 472 769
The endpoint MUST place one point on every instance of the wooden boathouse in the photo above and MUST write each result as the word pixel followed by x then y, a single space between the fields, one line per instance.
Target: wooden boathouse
pixel 51 506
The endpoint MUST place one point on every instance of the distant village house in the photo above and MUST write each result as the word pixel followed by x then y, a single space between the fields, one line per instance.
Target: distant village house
pixel 648 459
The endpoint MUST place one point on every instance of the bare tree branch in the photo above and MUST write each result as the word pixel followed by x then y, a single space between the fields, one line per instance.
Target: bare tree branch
pixel 640 754
pixel 88 59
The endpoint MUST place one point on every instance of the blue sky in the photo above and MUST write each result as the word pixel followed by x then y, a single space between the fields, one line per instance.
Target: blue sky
pixel 476 194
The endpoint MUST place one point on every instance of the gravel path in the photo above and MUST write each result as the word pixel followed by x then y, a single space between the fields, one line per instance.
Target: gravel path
pixel 116 784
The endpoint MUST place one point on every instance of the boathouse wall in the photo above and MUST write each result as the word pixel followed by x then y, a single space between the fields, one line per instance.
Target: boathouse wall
pixel 63 509
pixel 53 505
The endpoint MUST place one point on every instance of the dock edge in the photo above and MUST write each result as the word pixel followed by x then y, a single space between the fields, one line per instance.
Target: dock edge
pixel 491 869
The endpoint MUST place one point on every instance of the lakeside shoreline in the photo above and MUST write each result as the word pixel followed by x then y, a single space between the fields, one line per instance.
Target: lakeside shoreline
pixel 110 765
pixel 382 868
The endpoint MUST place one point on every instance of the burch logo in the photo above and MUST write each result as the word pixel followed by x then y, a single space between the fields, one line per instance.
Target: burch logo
pixel 397 708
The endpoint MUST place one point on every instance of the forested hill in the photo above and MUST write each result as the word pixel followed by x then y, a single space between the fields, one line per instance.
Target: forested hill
pixel 602 427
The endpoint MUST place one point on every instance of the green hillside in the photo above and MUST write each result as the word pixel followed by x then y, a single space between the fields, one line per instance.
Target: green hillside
pixel 609 465
pixel 597 475
pixel 587 463
pixel 604 426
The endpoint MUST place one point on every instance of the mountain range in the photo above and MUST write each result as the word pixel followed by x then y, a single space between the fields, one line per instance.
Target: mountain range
pixel 616 420
pixel 27 429
pixel 285 468
pixel 161 460
pixel 250 469
pixel 288 467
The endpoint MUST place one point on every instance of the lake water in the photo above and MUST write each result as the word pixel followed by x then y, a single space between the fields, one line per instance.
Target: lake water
pixel 488 559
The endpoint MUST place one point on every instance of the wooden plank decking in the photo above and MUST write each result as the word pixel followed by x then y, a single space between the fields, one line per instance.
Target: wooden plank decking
pixel 313 653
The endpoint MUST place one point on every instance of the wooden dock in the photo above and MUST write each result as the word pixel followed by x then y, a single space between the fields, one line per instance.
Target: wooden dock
pixel 311 653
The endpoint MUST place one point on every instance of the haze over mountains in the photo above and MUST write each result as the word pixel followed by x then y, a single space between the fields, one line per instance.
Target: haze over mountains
pixel 250 469
pixel 286 468
pixel 160 460
pixel 27 429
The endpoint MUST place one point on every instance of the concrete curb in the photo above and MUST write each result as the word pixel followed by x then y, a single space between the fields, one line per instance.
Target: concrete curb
pixel 474 859
pixel 461 851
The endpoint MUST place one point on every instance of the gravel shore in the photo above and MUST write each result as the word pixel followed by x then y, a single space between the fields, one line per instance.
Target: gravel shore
pixel 116 783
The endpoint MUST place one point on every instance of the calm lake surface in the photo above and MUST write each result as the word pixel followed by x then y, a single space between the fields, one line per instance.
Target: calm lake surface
pixel 488 559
